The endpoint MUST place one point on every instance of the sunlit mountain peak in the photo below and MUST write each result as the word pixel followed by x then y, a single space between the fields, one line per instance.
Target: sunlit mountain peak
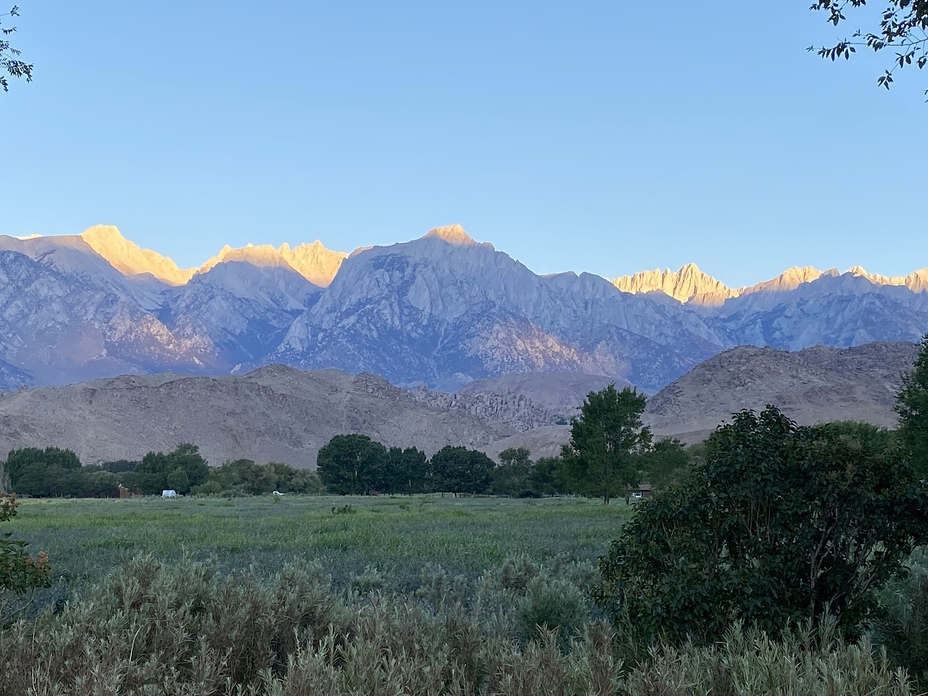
pixel 130 259
pixel 452 234
pixel 314 262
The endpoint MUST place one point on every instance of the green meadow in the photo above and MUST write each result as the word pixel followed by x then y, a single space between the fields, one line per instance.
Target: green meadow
pixel 257 596
pixel 395 536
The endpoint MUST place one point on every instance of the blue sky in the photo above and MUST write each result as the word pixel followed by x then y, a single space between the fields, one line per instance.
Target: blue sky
pixel 606 137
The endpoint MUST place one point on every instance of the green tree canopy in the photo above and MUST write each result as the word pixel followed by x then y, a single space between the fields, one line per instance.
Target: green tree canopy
pixel 548 476
pixel 514 473
pixel 665 462
pixel 778 524
pixel 9 56
pixel 405 470
pixel 42 472
pixel 460 470
pixel 903 28
pixel 352 464
pixel 180 470
pixel 912 407
pixel 605 440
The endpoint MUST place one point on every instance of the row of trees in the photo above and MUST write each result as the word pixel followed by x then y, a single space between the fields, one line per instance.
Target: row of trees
pixel 609 454
pixel 53 472
pixel 356 464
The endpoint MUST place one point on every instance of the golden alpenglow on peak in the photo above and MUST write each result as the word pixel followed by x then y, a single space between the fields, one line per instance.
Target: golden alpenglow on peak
pixel 452 234
pixel 262 255
pixel 129 258
pixel 689 284
pixel 316 263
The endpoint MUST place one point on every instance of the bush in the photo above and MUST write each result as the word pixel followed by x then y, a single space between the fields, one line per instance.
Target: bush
pixel 20 573
pixel 778 525
pixel 159 629
pixel 902 627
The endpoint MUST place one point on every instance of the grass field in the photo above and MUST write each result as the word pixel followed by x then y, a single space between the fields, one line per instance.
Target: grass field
pixel 397 536
pixel 506 615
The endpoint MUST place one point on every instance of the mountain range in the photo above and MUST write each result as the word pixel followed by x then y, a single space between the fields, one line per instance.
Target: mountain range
pixel 278 413
pixel 441 310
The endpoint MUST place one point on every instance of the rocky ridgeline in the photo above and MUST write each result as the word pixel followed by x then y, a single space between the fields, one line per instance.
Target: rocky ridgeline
pixel 514 410
pixel 442 309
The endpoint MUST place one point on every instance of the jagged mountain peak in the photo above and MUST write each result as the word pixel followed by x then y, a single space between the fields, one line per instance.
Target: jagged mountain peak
pixel 316 263
pixel 312 261
pixel 790 279
pixel 689 284
pixel 106 234
pixel 262 255
pixel 452 234
pixel 916 281
pixel 129 258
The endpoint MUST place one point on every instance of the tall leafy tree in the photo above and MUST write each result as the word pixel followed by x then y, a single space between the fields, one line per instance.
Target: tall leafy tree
pixel 605 440
pixel 666 461
pixel 352 464
pixel 912 407
pixel 460 470
pixel 405 470
pixel 548 477
pixel 44 472
pixel 777 525
pixel 513 475
pixel 180 470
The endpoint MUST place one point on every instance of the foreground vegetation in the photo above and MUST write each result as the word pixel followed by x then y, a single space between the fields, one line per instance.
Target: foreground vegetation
pixel 157 628
pixel 374 595
pixel 783 559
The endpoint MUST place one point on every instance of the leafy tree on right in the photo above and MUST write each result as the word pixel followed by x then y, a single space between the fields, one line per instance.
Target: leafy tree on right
pixel 605 441
pixel 777 525
pixel 912 407
pixel 903 28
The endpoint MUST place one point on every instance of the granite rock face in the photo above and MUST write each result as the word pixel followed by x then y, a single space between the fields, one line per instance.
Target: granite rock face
pixel 442 310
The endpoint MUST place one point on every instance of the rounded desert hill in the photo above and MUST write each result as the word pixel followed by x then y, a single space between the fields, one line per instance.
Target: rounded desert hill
pixel 275 413
pixel 814 385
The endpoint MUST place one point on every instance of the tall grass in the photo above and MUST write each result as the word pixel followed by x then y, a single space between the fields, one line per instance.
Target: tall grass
pixel 185 628
pixel 397 535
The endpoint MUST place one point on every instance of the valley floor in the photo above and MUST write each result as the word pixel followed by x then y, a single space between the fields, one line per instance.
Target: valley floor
pixel 395 535
pixel 303 595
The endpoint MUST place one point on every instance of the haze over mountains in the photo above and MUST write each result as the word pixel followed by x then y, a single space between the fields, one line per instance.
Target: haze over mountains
pixel 441 310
